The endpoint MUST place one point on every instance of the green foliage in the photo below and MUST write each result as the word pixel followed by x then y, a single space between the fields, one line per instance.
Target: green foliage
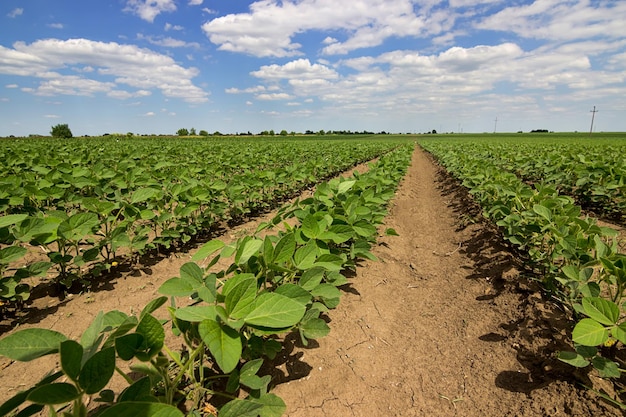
pixel 273 285
pixel 61 131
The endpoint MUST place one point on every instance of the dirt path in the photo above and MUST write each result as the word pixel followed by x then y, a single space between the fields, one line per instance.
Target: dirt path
pixel 444 324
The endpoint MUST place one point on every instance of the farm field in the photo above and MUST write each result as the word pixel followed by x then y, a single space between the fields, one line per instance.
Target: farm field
pixel 446 322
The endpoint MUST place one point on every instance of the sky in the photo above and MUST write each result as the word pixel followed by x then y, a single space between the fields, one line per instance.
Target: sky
pixel 400 66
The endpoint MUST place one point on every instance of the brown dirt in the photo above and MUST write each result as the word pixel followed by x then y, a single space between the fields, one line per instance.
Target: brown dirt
pixel 445 324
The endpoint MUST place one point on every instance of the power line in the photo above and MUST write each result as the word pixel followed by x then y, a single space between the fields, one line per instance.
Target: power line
pixel 593 114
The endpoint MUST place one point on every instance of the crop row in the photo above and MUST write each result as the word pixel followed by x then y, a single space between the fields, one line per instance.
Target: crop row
pixel 275 284
pixel 577 260
pixel 593 172
pixel 87 204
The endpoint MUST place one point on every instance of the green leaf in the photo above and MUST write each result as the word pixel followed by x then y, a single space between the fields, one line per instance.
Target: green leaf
pixel 144 194
pixel 196 313
pixel 78 226
pixel 152 306
pixel 543 211
pixel 11 219
pixel 311 226
pixel 294 292
pixel 57 393
pixel 71 354
pixel 240 408
pixel 240 292
pixel 97 371
pixel 391 232
pixel 139 389
pixel 11 254
pixel 601 310
pixel 573 358
pixel 305 256
pixel 619 332
pixel 28 344
pixel 275 311
pixel 176 287
pixel 344 186
pixel 284 249
pixel 589 332
pixel 154 336
pixel 223 342
pixel 247 249
pixel 606 367
pixel 273 405
pixel 314 328
pixel 141 409
pixel 192 274
pixel 128 345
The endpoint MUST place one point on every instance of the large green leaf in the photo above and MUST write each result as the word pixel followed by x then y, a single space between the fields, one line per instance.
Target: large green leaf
pixel 56 393
pixel 601 310
pixel 196 313
pixel 11 219
pixel 78 226
pixel 275 311
pixel 207 250
pixel 141 409
pixel 71 354
pixel 97 371
pixel 28 344
pixel 240 292
pixel 589 332
pixel 223 342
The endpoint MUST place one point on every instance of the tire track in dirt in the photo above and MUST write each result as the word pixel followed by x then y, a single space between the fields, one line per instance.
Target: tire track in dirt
pixel 437 327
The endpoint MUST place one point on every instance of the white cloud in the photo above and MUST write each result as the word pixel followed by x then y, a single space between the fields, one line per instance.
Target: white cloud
pixel 168 42
pixel 18 11
pixel 149 9
pixel 560 20
pixel 300 69
pixel 268 29
pixel 116 63
pixel 169 26
pixel 273 96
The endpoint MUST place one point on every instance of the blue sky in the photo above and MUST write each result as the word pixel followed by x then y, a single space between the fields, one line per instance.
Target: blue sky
pixel 154 66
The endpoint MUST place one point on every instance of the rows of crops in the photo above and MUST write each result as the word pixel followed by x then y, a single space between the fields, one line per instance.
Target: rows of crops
pixel 578 261
pixel 275 284
pixel 591 171
pixel 77 207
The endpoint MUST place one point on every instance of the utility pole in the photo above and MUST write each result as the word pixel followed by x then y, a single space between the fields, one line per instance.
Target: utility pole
pixel 495 126
pixel 593 114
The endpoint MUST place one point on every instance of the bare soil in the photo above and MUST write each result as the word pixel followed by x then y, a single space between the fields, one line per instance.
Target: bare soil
pixel 447 323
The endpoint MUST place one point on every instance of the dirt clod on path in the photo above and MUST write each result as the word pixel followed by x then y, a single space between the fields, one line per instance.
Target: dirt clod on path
pixel 445 324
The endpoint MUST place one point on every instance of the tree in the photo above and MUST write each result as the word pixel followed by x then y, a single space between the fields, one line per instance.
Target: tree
pixel 61 131
pixel 182 132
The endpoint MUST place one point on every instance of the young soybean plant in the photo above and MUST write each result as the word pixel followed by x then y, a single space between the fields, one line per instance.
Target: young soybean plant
pixel 88 365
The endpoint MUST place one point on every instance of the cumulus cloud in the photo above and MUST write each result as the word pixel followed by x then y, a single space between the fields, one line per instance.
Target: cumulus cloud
pixel 114 64
pixel 560 20
pixel 18 11
pixel 149 9
pixel 269 27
